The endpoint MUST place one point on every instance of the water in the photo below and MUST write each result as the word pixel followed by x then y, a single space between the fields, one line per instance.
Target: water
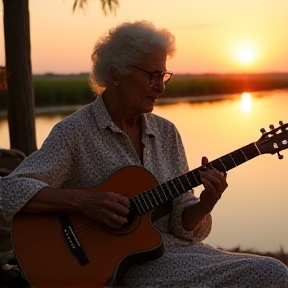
pixel 253 211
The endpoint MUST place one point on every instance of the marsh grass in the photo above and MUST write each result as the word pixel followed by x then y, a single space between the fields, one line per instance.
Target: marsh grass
pixel 214 84
pixel 281 255
pixel 51 90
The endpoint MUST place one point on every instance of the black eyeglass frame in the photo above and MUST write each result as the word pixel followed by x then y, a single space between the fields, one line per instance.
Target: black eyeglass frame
pixel 155 74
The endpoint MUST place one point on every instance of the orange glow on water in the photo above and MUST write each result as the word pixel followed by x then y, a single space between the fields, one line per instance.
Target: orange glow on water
pixel 246 102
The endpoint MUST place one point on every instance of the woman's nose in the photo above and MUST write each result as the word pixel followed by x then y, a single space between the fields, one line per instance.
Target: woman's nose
pixel 159 85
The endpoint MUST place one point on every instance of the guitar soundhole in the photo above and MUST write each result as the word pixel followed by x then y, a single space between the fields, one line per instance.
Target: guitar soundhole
pixel 132 225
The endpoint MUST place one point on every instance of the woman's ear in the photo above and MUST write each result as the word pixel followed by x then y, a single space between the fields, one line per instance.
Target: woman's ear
pixel 114 75
pixel 113 72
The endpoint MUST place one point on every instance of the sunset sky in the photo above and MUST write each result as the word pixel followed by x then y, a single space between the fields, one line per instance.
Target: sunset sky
pixel 213 36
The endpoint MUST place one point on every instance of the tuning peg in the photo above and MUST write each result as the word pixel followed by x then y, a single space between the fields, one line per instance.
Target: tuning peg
pixel 271 127
pixel 280 156
pixel 281 122
pixel 262 130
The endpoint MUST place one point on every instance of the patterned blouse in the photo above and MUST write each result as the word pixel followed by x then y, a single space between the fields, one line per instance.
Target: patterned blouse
pixel 86 148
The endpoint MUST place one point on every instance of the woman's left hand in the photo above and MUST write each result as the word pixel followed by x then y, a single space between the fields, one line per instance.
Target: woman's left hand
pixel 214 183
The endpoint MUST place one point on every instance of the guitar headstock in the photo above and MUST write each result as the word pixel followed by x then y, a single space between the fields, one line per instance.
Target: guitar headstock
pixel 275 140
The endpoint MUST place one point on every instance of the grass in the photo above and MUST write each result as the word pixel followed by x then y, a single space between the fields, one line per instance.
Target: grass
pixel 214 84
pixel 53 90
pixel 281 255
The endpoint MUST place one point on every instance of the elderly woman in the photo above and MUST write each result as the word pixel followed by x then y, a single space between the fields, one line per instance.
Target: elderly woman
pixel 118 130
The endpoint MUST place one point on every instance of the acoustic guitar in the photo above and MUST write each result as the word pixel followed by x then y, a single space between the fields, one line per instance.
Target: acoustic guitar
pixel 71 250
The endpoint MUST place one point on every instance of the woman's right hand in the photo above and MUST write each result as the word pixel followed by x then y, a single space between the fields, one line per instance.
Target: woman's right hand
pixel 108 208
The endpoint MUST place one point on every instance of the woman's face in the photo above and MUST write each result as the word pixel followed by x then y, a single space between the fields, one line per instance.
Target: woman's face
pixel 137 93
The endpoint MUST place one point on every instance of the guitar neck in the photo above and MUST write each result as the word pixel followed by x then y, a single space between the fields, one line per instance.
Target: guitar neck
pixel 148 200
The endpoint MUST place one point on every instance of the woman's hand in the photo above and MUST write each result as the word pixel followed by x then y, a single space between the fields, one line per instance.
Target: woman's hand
pixel 108 208
pixel 214 183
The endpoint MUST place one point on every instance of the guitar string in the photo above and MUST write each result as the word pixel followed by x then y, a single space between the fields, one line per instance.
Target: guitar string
pixel 84 225
pixel 163 191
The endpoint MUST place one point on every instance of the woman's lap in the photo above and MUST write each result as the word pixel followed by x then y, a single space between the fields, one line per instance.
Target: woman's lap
pixel 204 266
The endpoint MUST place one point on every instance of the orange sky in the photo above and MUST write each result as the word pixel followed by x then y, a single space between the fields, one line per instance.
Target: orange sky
pixel 212 35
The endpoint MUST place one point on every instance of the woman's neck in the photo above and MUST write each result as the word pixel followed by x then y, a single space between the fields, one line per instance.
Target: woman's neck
pixel 121 115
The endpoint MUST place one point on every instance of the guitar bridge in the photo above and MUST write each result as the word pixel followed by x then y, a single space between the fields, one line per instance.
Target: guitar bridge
pixel 72 241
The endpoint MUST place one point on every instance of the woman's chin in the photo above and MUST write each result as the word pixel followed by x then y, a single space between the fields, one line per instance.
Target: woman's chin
pixel 149 108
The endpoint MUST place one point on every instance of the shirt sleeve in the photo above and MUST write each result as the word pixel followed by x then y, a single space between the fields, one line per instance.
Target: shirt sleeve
pixel 48 166
pixel 200 232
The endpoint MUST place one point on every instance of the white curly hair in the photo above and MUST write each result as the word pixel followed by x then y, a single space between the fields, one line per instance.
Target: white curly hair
pixel 124 45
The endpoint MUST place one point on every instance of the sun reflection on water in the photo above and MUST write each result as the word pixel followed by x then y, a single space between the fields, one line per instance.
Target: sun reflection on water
pixel 246 102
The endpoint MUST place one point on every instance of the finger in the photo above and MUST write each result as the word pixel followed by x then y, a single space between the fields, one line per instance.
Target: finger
pixel 123 200
pixel 213 177
pixel 118 219
pixel 209 188
pixel 117 204
pixel 222 177
pixel 210 192
pixel 224 174
pixel 109 218
pixel 112 224
pixel 204 161
pixel 219 176
pixel 207 184
pixel 213 194
pixel 116 208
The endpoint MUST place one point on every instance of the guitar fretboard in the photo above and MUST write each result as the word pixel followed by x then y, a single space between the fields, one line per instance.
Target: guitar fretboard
pixel 148 200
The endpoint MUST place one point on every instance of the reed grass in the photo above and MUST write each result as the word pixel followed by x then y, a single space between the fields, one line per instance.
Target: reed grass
pixel 51 90
pixel 214 84
pixel 280 255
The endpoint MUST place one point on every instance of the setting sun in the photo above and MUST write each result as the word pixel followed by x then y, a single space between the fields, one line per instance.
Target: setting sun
pixel 245 54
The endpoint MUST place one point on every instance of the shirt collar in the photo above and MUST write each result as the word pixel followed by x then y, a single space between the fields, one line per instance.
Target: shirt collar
pixel 149 124
pixel 104 120
pixel 102 116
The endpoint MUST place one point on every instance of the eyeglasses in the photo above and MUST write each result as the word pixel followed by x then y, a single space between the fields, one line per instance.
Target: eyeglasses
pixel 156 76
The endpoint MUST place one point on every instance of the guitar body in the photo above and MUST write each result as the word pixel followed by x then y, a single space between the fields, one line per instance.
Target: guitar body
pixel 47 261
